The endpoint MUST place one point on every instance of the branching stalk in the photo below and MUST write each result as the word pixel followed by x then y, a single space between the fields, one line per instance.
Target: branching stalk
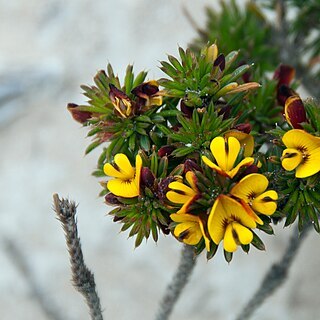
pixel 276 275
pixel 82 277
pixel 180 279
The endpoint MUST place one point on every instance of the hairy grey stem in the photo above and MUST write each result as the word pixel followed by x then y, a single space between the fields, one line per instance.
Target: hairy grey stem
pixel 82 277
pixel 16 254
pixel 180 279
pixel 276 275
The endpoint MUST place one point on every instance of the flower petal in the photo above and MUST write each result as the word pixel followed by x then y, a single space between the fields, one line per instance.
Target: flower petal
pixel 224 211
pixel 310 165
pixel 229 242
pixel 109 170
pixel 245 162
pixel 213 166
pixel 291 158
pixel 178 186
pixel 121 188
pixel 301 140
pixel 246 141
pixel 244 235
pixel 266 202
pixel 192 180
pixel 124 165
pixel 218 149
pixel 138 171
pixel 176 197
pixel 249 186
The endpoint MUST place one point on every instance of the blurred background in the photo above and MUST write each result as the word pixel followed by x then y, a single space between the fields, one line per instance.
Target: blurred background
pixel 47 50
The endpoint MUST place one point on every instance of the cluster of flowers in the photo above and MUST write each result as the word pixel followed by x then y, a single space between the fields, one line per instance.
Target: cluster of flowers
pixel 198 173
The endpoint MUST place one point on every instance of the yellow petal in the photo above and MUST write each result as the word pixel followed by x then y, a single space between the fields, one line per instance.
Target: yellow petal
pixel 138 171
pixel 210 164
pixel 206 239
pixel 250 186
pixel 178 186
pixel 229 242
pixel 109 170
pixel 301 140
pixel 192 180
pixel 188 230
pixel 224 211
pixel 266 202
pixel 246 141
pixel 121 188
pixel 184 217
pixel 178 197
pixel 245 162
pixel 124 165
pixel 218 149
pixel 291 158
pixel 251 213
pixel 310 165
pixel 232 152
pixel 244 235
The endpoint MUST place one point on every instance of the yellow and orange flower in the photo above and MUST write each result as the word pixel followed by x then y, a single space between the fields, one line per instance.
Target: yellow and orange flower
pixel 230 222
pixel 182 193
pixel 251 190
pixel 302 153
pixel 225 152
pixel 189 229
pixel 127 179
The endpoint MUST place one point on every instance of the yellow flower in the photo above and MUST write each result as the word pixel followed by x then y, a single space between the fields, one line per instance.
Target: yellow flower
pixel 246 141
pixel 228 220
pixel 183 194
pixel 252 191
pixel 127 179
pixel 302 153
pixel 190 229
pixel 225 151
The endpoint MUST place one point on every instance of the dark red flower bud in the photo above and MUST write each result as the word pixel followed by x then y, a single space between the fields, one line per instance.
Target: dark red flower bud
pixel 283 93
pixel 146 89
pixel 220 62
pixel 111 199
pixel 147 178
pixel 294 112
pixel 243 127
pixel 250 169
pixel 191 165
pixel 78 115
pixel 166 150
pixel 187 111
pixel 163 187
pixel 284 74
pixel 224 111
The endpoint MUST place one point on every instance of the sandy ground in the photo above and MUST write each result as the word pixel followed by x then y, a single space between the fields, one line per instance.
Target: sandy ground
pixel 47 49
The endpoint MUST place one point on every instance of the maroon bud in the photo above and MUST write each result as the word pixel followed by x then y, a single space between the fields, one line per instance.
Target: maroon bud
pixel 116 93
pixel 191 165
pixel 146 89
pixel 163 187
pixel 78 115
pixel 283 93
pixel 166 150
pixel 243 127
pixel 147 178
pixel 224 111
pixel 284 74
pixel 111 199
pixel 220 62
pixel 250 169
pixel 295 112
pixel 187 111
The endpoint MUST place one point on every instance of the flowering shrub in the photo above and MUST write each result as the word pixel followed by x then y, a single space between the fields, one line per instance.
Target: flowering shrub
pixel 190 155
